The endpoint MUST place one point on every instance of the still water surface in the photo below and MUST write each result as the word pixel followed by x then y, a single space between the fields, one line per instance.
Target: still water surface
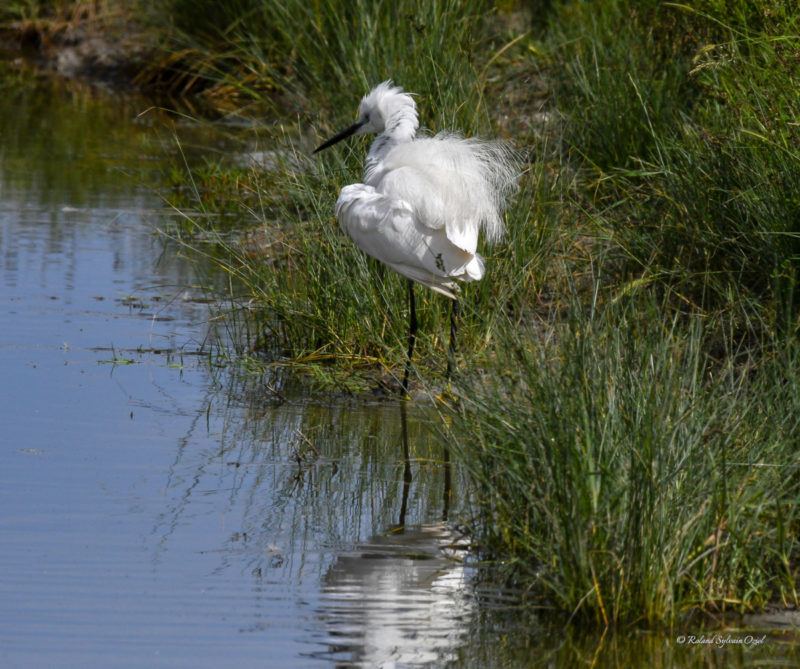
pixel 156 510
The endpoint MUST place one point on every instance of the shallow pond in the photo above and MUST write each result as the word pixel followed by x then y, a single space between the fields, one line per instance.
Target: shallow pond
pixel 159 510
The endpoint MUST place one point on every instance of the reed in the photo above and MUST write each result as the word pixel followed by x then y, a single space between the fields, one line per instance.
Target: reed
pixel 632 440
pixel 624 474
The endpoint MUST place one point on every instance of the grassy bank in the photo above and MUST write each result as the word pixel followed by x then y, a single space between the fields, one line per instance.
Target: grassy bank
pixel 634 446
pixel 627 401
pixel 629 367
pixel 627 475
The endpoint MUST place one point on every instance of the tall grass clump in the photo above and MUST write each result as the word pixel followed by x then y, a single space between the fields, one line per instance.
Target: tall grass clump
pixel 632 441
pixel 625 476
pixel 683 118
pixel 305 57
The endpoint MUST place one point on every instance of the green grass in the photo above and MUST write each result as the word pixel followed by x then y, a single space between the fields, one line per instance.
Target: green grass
pixel 634 446
pixel 627 476
pixel 628 394
pixel 687 129
pixel 310 58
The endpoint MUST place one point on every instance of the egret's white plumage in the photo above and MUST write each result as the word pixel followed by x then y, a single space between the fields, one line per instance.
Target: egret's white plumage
pixel 424 199
pixel 389 229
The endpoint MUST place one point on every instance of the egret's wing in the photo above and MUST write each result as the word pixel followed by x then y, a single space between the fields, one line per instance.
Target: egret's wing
pixel 432 195
pixel 387 229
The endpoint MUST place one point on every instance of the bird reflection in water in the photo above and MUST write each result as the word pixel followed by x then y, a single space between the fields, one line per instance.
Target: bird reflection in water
pixel 403 597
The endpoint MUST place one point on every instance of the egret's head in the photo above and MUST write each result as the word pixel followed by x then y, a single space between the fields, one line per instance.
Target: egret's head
pixel 384 104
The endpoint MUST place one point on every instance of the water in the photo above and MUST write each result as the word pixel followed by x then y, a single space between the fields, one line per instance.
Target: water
pixel 157 510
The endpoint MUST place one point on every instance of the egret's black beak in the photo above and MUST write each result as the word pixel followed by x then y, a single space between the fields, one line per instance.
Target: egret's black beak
pixel 344 134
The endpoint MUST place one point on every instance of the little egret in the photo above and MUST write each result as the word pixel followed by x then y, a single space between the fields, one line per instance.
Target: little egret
pixel 424 200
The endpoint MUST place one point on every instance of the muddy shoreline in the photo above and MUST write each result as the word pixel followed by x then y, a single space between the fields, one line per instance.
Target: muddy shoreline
pixel 113 55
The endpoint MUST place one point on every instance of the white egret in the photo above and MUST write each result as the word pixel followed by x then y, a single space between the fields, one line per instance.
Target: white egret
pixel 424 200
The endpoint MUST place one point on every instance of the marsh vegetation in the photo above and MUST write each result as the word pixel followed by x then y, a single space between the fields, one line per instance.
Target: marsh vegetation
pixel 628 397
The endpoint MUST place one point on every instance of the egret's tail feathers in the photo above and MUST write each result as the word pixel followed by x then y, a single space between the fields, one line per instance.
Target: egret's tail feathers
pixel 475 269
pixel 446 285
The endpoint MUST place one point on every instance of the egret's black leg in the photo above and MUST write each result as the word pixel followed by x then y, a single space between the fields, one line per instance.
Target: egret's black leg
pixel 412 332
pixel 407 476
pixel 451 357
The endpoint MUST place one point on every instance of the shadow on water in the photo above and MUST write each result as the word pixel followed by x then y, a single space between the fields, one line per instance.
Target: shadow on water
pixel 158 511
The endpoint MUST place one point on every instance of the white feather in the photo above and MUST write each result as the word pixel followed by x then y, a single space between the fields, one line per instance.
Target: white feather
pixel 389 230
pixel 424 200
pixel 455 183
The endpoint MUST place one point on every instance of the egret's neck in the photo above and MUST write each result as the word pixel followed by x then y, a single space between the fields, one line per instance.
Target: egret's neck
pixel 400 129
